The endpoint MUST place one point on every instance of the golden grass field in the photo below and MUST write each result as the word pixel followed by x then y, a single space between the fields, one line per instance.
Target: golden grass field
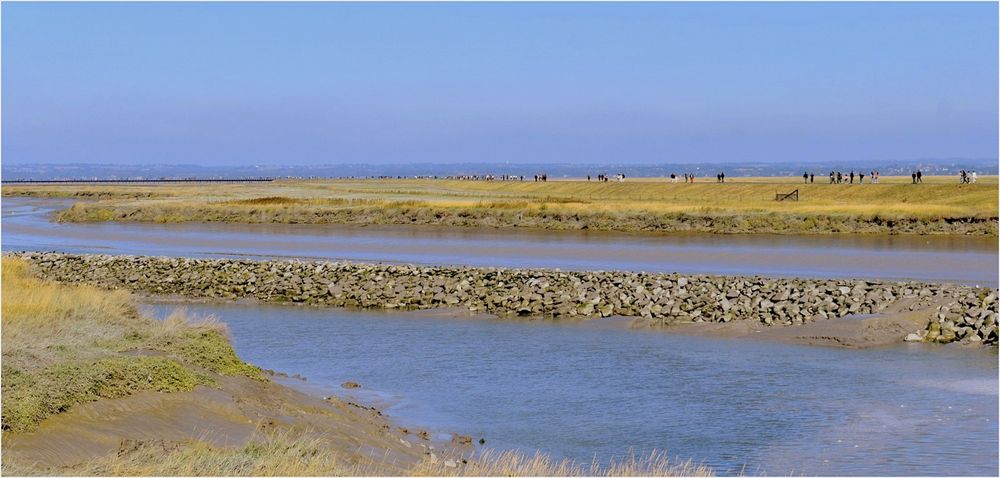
pixel 493 203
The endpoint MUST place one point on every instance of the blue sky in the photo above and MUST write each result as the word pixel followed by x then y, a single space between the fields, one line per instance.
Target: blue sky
pixel 324 83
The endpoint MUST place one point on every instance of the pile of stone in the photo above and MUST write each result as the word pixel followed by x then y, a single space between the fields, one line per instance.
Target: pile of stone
pixel 971 318
pixel 659 298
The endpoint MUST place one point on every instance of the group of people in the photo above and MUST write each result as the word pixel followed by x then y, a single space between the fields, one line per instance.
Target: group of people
pixel 603 178
pixel 838 177
pixel 689 178
pixel 968 177
pixel 482 177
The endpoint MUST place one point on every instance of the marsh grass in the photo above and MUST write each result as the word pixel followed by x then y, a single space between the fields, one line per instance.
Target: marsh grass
pixel 284 454
pixel 742 205
pixel 64 345
pixel 518 463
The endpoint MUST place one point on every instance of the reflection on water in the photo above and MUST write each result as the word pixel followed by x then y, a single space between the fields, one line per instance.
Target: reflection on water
pixel 26 226
pixel 580 390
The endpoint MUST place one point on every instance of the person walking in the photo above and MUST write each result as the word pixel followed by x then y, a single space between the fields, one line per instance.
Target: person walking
pixel 920 176
pixel 831 177
pixel 852 176
pixel 974 177
pixel 861 177
pixel 805 177
pixel 812 178
pixel 913 177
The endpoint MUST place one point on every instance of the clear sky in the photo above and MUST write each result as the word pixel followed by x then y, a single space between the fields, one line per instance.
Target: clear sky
pixel 322 83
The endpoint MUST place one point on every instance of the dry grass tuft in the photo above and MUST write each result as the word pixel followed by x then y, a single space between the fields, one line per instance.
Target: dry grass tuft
pixel 30 303
pixel 517 463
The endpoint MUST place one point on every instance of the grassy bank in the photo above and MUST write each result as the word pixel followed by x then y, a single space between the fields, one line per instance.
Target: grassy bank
pixel 67 345
pixel 91 387
pixel 743 205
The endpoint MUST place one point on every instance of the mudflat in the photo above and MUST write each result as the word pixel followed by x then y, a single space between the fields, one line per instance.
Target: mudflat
pixel 873 330
pixel 238 412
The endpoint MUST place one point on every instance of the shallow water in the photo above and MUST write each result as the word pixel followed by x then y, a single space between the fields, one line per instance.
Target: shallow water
pixel 591 389
pixel 965 259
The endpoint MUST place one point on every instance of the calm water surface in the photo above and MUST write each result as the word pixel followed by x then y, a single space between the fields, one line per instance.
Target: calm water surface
pixel 974 260
pixel 580 390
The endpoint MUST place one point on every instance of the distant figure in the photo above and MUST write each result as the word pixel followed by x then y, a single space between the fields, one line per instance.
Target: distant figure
pixel 913 177
pixel 852 176
pixel 685 177
pixel 722 176
pixel 673 178
pixel 974 177
pixel 920 176
pixel 805 178
pixel 812 178
pixel 840 177
pixel 588 178
pixel 832 177
pixel 861 177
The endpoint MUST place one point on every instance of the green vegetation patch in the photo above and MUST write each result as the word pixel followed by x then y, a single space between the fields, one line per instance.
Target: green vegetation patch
pixel 30 397
pixel 208 349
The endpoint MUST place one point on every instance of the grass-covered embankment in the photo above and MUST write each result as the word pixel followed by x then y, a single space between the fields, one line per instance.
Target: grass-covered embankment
pixel 743 205
pixel 68 345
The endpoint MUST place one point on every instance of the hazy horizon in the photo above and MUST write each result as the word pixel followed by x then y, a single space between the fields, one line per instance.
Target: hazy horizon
pixel 239 84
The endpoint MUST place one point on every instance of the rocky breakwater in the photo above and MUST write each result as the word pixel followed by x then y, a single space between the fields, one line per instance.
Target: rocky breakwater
pixel 972 318
pixel 659 298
